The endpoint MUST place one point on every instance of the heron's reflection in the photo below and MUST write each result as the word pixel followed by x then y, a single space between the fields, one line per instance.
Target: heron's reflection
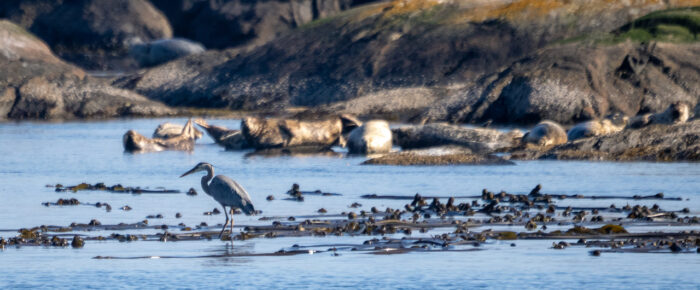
pixel 229 254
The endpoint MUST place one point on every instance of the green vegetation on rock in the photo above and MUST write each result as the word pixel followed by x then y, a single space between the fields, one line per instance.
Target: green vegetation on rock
pixel 679 25
pixel 673 25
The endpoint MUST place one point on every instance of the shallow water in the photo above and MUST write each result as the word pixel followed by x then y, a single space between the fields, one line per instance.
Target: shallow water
pixel 37 154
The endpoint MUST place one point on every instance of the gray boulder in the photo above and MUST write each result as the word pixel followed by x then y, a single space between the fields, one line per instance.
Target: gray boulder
pixel 91 33
pixel 229 23
pixel 35 84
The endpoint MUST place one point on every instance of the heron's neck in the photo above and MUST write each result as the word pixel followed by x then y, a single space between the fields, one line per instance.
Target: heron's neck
pixel 206 179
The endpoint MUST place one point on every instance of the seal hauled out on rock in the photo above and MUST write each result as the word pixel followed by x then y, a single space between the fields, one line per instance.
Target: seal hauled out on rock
pixel 676 113
pixel 230 139
pixel 163 50
pixel 135 142
pixel 283 133
pixel 372 137
pixel 545 134
pixel 169 130
pixel 613 124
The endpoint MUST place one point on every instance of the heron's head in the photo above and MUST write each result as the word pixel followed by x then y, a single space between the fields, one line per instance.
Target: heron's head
pixel 202 166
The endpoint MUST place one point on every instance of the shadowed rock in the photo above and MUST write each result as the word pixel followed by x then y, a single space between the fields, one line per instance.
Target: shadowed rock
pixel 35 84
pixel 446 57
pixel 91 33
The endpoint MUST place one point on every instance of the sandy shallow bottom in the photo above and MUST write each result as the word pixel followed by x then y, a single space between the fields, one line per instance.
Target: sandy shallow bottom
pixel 34 155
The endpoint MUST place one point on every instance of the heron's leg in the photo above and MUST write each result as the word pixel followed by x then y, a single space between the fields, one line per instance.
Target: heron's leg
pixel 225 223
pixel 231 208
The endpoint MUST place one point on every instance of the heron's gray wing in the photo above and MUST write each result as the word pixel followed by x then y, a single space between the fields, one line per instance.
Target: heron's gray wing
pixel 229 193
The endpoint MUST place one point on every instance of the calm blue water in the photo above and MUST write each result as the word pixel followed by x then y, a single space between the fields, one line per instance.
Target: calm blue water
pixel 36 154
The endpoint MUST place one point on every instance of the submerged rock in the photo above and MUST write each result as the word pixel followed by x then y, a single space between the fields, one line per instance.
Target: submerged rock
pixel 445 155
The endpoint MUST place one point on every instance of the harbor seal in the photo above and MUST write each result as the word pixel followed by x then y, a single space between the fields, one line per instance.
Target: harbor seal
pixel 676 113
pixel 372 137
pixel 169 130
pixel 610 125
pixel 230 139
pixel 263 133
pixel 135 142
pixel 545 134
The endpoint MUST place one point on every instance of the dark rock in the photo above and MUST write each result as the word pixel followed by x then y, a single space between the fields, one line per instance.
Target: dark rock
pixel 192 191
pixel 359 60
pixel 92 33
pixel 35 84
pixel 578 81
pixel 221 24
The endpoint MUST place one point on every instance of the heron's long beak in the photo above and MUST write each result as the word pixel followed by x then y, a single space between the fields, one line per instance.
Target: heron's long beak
pixel 193 170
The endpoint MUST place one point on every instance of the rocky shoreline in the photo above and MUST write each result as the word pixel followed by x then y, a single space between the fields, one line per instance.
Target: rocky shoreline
pixel 432 63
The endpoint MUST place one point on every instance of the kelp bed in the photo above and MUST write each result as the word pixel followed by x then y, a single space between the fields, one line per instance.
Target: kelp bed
pixel 459 223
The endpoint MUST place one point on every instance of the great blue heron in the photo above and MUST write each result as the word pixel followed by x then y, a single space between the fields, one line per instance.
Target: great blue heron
pixel 224 190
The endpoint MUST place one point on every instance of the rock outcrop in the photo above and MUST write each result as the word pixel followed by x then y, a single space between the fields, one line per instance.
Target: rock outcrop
pixel 91 33
pixel 435 48
pixel 229 23
pixel 576 82
pixel 35 84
